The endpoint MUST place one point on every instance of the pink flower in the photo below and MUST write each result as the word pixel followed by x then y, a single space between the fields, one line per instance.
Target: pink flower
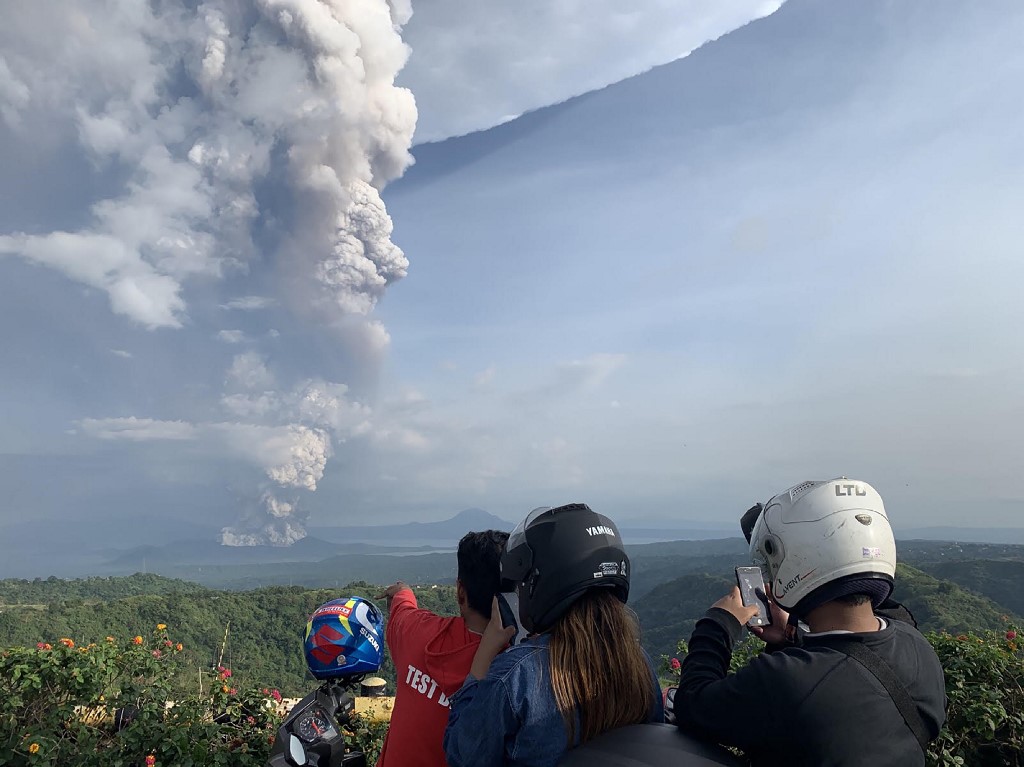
pixel 40 645
pixel 675 664
pixel 232 691
pixel 276 695
pixel 1011 634
pixel 156 653
pixel 150 760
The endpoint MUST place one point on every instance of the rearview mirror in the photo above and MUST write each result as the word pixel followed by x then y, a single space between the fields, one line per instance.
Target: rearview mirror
pixel 296 751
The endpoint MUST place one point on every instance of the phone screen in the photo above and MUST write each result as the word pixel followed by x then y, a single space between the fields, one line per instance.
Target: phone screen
pixel 750 581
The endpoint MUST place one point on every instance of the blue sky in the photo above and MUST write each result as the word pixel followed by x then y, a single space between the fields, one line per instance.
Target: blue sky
pixel 793 254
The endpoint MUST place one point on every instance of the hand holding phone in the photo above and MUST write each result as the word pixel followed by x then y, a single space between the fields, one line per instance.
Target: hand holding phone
pixel 752 593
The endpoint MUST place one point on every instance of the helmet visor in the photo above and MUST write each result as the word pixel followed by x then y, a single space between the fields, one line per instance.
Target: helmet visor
pixel 749 520
pixel 517 558
pixel 518 536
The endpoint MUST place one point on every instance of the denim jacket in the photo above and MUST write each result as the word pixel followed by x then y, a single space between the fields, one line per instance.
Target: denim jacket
pixel 510 716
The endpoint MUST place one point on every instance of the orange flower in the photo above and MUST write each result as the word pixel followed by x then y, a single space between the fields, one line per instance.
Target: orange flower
pixel 67 642
pixel 110 639
pixel 161 626
pixel 137 640
pixel 34 748
pixel 179 647
pixel 223 688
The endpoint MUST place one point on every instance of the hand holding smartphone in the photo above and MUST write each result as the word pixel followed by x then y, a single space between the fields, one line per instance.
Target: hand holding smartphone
pixel 752 592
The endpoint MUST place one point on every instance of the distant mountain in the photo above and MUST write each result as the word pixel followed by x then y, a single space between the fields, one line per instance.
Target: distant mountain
pixel 1014 535
pixel 188 552
pixel 445 530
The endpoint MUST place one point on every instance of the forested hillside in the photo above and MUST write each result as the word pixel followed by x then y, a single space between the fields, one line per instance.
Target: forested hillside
pixel 999 580
pixel 259 632
pixel 264 628
pixel 668 613
pixel 15 591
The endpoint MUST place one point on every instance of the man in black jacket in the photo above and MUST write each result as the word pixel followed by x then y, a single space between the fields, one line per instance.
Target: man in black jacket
pixel 855 688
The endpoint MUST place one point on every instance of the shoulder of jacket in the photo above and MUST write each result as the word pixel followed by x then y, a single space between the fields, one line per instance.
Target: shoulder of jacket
pixel 518 658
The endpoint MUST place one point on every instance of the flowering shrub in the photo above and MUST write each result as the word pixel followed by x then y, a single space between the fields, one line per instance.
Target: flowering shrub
pixel 106 704
pixel 985 688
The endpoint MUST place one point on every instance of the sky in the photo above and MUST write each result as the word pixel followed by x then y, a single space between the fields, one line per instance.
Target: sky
pixel 233 304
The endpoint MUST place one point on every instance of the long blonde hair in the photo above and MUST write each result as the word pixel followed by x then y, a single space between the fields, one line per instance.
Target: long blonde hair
pixel 598 668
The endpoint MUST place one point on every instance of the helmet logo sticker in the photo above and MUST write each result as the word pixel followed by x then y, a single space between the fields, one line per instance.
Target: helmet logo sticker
pixel 785 589
pixel 369 638
pixel 864 519
pixel 871 552
pixel 845 490
pixel 600 530
pixel 325 650
pixel 609 568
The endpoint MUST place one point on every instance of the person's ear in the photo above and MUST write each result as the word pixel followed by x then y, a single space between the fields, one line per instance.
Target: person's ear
pixel 460 593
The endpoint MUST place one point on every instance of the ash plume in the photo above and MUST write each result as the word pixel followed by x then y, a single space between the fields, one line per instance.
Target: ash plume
pixel 202 108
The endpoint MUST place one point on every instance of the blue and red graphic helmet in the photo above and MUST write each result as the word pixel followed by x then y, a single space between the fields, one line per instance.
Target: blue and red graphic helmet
pixel 344 637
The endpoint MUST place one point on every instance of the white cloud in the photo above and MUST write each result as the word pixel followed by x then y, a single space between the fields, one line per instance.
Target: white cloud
pixel 249 371
pixel 292 455
pixel 485 376
pixel 249 303
pixel 478 63
pixel 231 336
pixel 121 353
pixel 138 429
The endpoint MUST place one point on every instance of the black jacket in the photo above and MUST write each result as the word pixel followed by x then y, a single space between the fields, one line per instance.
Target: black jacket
pixel 809 705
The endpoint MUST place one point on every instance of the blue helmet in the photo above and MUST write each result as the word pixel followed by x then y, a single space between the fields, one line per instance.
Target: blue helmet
pixel 344 637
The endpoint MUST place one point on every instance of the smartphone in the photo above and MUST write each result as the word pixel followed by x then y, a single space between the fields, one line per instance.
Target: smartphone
pixel 750 582
pixel 508 606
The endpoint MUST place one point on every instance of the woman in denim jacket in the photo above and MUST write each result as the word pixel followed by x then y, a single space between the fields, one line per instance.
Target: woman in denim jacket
pixel 582 671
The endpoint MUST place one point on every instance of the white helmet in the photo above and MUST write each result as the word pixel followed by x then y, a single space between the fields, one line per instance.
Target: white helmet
pixel 819 541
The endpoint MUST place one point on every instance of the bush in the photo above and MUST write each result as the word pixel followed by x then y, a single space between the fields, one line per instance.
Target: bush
pixel 58 705
pixel 985 689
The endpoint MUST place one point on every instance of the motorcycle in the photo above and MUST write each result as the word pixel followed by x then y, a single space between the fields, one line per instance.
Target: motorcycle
pixel 313 733
pixel 344 641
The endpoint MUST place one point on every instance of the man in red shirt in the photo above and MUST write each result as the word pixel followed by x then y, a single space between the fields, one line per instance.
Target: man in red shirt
pixel 432 654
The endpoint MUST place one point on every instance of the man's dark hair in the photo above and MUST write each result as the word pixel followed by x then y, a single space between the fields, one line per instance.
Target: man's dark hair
pixel 480 568
pixel 854 599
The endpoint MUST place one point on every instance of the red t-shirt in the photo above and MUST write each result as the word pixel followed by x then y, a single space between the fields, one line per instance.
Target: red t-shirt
pixel 432 656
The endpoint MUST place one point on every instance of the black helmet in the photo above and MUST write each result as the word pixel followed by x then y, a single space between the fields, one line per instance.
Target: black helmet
pixel 555 555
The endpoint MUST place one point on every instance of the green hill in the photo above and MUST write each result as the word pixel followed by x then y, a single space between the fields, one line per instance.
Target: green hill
pixel 997 580
pixel 264 627
pixel 15 591
pixel 669 611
